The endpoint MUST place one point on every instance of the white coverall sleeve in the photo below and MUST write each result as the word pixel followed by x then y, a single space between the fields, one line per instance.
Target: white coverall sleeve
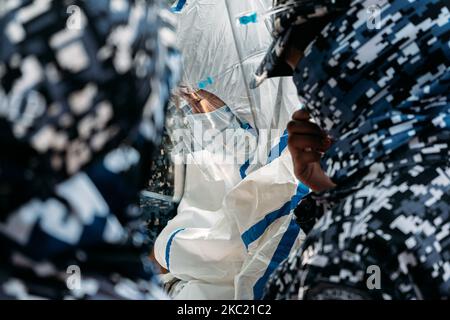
pixel 201 242
pixel 250 226
pixel 212 254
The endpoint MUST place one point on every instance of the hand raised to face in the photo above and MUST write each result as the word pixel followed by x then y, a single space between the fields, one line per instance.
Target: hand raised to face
pixel 307 143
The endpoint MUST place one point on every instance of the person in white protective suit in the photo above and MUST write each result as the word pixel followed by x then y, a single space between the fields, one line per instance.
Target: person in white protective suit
pixel 234 223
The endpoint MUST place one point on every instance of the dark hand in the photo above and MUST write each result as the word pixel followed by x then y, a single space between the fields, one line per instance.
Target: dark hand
pixel 307 143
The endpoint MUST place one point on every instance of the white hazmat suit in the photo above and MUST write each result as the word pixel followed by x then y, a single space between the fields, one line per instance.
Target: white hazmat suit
pixel 234 223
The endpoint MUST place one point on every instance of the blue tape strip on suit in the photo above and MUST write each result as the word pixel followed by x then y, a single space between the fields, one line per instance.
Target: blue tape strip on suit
pixel 281 253
pixel 179 6
pixel 278 149
pixel 250 18
pixel 169 245
pixel 274 153
pixel 258 229
pixel 204 83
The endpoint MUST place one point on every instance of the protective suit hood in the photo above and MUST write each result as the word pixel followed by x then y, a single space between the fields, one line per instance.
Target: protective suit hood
pixel 222 43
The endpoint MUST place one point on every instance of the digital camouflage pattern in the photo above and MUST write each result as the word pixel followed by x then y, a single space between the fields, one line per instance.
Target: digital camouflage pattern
pixel 295 23
pixel 383 95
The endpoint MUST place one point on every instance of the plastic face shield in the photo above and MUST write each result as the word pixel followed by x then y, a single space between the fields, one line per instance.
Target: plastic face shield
pixel 206 133
pixel 222 44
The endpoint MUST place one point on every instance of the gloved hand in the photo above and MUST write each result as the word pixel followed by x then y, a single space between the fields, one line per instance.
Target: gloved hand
pixel 307 143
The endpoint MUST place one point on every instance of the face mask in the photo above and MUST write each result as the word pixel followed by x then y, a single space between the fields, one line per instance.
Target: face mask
pixel 213 141
pixel 219 119
pixel 221 133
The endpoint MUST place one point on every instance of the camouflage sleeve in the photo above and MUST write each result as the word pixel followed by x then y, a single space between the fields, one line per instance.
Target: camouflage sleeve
pixel 78 79
pixel 349 267
pixel 83 92
pixel 338 262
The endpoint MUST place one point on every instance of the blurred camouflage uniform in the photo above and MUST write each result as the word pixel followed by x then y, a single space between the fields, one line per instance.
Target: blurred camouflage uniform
pixel 83 92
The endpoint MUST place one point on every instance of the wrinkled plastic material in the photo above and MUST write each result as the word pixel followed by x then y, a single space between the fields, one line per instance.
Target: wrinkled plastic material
pixel 219 244
pixel 222 43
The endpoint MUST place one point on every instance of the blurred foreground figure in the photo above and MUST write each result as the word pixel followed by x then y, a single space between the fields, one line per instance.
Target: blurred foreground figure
pixel 374 75
pixel 83 89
